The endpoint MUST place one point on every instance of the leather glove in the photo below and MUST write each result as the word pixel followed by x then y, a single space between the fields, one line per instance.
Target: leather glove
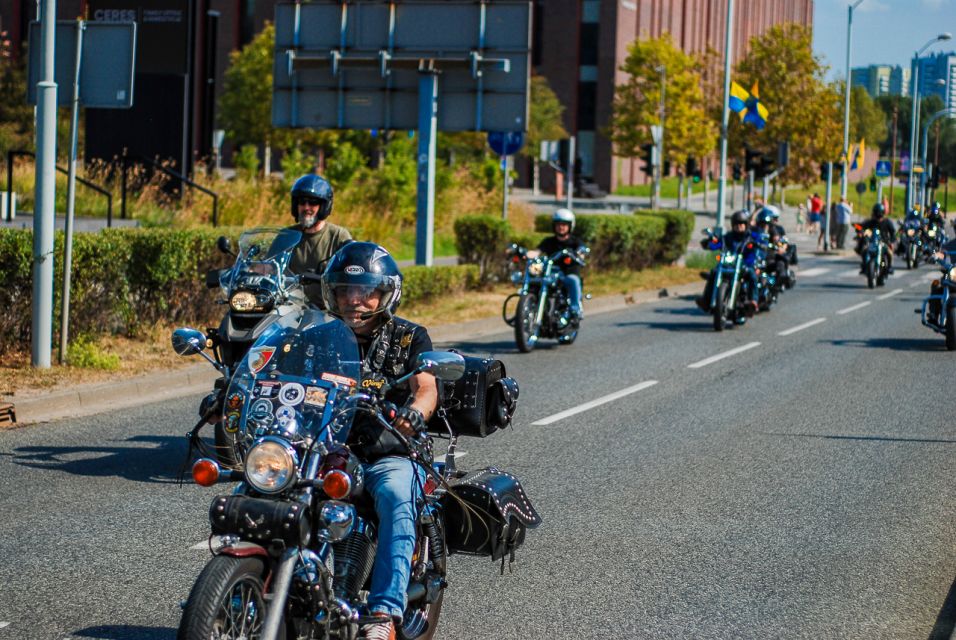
pixel 409 421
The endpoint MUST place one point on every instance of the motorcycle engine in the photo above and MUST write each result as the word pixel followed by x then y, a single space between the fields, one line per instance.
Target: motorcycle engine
pixel 354 557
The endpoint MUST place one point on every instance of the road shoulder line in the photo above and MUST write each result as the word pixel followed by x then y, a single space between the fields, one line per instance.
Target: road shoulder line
pixel 595 403
pixel 721 356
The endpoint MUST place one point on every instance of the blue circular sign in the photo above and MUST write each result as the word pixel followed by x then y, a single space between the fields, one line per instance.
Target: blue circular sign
pixel 505 143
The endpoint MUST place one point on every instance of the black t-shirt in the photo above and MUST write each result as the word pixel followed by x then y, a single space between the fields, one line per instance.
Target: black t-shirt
pixel 886 227
pixel 553 245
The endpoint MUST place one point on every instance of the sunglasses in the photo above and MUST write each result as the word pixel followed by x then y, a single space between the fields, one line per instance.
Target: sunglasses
pixel 312 202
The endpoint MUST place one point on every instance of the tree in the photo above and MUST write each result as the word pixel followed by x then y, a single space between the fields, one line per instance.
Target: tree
pixel 245 107
pixel 867 120
pixel 544 122
pixel 687 129
pixel 804 110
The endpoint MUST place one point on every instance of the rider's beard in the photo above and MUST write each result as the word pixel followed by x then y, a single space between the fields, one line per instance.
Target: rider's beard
pixel 307 221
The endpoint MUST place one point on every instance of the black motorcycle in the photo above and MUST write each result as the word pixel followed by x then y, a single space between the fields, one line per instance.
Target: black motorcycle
pixel 732 295
pixel 543 309
pixel 910 245
pixel 934 237
pixel 939 308
pixel 876 265
pixel 294 543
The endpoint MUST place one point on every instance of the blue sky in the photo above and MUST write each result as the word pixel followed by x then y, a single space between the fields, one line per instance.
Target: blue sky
pixel 884 31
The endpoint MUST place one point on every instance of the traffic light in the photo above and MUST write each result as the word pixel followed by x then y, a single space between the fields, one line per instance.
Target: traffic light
pixel 837 169
pixel 823 172
pixel 943 177
pixel 767 166
pixel 872 183
pixel 752 159
pixel 691 170
pixel 934 178
pixel 647 155
pixel 736 172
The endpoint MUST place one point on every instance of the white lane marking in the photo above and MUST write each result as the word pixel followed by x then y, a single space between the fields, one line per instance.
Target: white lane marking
pixel 809 273
pixel 801 327
pixel 4 624
pixel 854 308
pixel 458 454
pixel 889 294
pixel 594 403
pixel 721 356
pixel 850 273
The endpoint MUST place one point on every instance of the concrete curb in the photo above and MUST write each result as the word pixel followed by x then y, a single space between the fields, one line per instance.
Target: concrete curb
pixel 91 399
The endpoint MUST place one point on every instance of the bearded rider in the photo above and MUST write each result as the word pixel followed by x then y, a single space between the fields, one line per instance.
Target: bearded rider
pixel 311 205
pixel 363 287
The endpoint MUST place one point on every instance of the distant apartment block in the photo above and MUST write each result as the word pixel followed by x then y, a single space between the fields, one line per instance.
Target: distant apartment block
pixel 933 68
pixel 882 80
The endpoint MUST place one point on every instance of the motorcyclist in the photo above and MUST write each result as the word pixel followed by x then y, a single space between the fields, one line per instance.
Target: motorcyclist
pixel 362 286
pixel 562 223
pixel 913 219
pixel 936 215
pixel 741 233
pixel 878 221
pixel 312 197
pixel 778 258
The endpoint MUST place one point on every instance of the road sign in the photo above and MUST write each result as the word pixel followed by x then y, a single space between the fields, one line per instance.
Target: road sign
pixel 883 168
pixel 505 143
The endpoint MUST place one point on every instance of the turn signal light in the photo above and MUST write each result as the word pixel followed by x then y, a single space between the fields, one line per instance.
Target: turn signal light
pixel 337 484
pixel 205 472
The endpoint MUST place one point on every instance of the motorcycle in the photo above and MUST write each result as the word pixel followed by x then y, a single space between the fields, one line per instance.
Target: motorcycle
pixel 875 264
pixel 294 543
pixel 911 243
pixel 934 237
pixel 939 308
pixel 731 298
pixel 543 309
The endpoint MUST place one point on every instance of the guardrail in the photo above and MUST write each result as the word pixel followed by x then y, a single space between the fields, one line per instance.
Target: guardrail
pixel 13 153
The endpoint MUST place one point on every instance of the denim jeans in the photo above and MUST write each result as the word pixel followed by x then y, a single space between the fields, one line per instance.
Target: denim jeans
pixel 572 284
pixel 393 485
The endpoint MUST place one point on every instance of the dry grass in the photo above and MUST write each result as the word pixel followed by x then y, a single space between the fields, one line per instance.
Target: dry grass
pixel 152 352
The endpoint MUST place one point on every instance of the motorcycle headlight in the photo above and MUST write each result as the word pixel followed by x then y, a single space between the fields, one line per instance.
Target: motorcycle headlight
pixel 516 277
pixel 867 233
pixel 729 258
pixel 242 301
pixel 911 232
pixel 931 233
pixel 536 268
pixel 952 274
pixel 271 465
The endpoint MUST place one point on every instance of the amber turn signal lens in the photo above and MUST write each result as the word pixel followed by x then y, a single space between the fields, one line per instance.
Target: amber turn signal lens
pixel 205 472
pixel 337 484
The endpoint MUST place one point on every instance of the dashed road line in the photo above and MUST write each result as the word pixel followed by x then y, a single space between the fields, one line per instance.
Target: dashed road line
pixel 4 624
pixel 721 356
pixel 594 403
pixel 809 273
pixel 801 327
pixel 889 294
pixel 854 308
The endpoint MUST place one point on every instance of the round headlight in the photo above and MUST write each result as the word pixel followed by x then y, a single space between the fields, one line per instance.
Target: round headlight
pixel 911 232
pixel 868 233
pixel 931 233
pixel 536 268
pixel 952 274
pixel 242 301
pixel 271 466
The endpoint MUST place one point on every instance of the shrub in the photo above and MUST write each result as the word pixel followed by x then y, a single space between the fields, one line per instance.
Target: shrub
pixel 247 161
pixel 617 241
pixel 482 240
pixel 85 353
pixel 425 282
pixel 680 226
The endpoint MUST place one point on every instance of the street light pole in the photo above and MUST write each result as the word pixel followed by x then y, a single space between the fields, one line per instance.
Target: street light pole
pixel 914 115
pixel 846 100
pixel 725 117
pixel 660 144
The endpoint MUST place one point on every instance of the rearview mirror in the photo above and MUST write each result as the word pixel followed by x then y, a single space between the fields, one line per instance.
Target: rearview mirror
pixel 444 365
pixel 188 342
pixel 224 245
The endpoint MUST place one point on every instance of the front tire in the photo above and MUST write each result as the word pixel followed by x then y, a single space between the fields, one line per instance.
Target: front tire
pixel 912 256
pixel 720 308
pixel 526 329
pixel 227 602
pixel 951 328
pixel 870 274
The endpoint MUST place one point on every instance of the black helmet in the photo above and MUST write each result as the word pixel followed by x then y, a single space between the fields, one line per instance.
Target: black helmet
pixel 740 217
pixel 935 207
pixel 366 265
pixel 878 210
pixel 765 216
pixel 312 186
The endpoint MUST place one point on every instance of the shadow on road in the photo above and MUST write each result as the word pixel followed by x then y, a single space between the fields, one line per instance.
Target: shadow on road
pixel 126 632
pixel 894 344
pixel 498 347
pixel 824 436
pixel 946 620
pixel 156 459
pixel 691 310
pixel 699 327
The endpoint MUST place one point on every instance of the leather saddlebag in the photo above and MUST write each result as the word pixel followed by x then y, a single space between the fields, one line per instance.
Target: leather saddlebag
pixel 487 514
pixel 480 402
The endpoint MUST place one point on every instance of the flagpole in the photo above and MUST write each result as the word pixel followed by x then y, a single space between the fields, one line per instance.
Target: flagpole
pixel 725 118
pixel 846 101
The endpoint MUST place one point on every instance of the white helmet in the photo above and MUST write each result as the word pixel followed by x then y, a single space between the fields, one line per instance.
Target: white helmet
pixel 563 215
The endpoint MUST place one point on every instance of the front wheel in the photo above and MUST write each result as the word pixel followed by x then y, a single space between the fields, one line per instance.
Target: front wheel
pixel 951 328
pixel 227 602
pixel 912 256
pixel 871 274
pixel 526 329
pixel 720 308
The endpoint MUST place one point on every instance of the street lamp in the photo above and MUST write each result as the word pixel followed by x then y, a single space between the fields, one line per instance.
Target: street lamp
pixel 846 100
pixel 914 115
pixel 662 69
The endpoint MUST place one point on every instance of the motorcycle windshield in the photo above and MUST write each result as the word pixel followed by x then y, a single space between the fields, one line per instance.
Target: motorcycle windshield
pixel 294 379
pixel 264 254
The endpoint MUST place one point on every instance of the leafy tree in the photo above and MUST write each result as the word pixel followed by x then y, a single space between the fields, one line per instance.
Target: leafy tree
pixel 867 120
pixel 687 129
pixel 544 121
pixel 16 116
pixel 803 109
pixel 245 107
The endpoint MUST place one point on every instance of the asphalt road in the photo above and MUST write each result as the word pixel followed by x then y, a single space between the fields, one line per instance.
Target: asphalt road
pixel 792 478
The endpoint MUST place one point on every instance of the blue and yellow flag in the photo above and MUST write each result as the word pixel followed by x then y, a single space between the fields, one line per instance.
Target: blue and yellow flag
pixel 747 105
pixel 858 153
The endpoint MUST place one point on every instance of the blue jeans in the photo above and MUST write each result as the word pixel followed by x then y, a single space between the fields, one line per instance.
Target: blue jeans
pixel 396 490
pixel 572 284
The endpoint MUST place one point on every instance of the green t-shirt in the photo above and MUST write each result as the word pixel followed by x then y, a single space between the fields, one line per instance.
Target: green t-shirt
pixel 313 253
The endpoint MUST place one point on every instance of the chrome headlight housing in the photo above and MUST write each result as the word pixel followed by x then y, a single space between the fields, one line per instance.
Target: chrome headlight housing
pixel 516 277
pixel 911 232
pixel 337 520
pixel 243 301
pixel 729 258
pixel 271 465
pixel 536 268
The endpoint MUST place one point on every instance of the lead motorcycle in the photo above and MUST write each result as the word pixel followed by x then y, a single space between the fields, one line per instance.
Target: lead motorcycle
pixel 543 309
pixel 294 542
pixel 732 296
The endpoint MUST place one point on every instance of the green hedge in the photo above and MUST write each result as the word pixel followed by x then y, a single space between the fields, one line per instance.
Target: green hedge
pixel 680 227
pixel 481 241
pixel 618 241
pixel 124 279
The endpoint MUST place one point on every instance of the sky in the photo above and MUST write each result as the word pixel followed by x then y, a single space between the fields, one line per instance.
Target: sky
pixel 884 31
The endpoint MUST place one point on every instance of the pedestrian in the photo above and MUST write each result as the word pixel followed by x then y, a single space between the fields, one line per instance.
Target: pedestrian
pixel 816 216
pixel 801 216
pixel 844 215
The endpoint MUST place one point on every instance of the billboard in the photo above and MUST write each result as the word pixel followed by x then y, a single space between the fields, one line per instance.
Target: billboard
pixel 357 65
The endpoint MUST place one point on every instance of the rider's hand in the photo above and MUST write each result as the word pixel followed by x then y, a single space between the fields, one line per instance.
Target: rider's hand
pixel 409 421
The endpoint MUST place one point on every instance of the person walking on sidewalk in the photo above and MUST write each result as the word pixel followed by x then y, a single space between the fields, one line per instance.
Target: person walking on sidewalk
pixel 844 215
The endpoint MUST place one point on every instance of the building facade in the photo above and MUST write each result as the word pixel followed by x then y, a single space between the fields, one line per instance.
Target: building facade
pixel 937 76
pixel 882 80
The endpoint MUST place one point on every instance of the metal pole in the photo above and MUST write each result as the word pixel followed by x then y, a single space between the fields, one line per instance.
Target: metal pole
pixel 724 119
pixel 826 209
pixel 570 174
pixel 427 137
pixel 846 100
pixel 660 144
pixel 9 186
pixel 71 196
pixel 44 215
pixel 914 92
pixel 893 161
pixel 504 199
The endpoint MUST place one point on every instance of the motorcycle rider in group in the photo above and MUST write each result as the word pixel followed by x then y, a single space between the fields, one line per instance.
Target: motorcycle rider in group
pixel 778 260
pixel 562 223
pixel 935 214
pixel 887 232
pixel 311 205
pixel 362 286
pixel 740 232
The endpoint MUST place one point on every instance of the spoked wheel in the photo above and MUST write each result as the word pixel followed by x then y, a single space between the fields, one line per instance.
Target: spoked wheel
pixel 871 274
pixel 227 601
pixel 526 329
pixel 951 328
pixel 422 624
pixel 912 257
pixel 720 308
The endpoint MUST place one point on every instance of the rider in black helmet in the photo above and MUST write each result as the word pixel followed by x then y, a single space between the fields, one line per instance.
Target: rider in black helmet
pixel 363 287
pixel 740 232
pixel 887 232
pixel 311 205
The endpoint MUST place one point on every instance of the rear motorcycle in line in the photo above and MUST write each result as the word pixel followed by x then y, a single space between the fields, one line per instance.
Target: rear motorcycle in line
pixel 875 262
pixel 731 298
pixel 910 243
pixel 293 543
pixel 939 308
pixel 543 309
pixel 934 237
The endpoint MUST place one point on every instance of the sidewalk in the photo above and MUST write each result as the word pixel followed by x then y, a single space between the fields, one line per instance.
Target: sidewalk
pixel 90 399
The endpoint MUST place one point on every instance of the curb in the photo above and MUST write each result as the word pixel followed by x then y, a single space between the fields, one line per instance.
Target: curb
pixel 91 399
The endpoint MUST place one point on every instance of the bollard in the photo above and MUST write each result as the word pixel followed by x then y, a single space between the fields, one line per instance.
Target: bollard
pixel 8 206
